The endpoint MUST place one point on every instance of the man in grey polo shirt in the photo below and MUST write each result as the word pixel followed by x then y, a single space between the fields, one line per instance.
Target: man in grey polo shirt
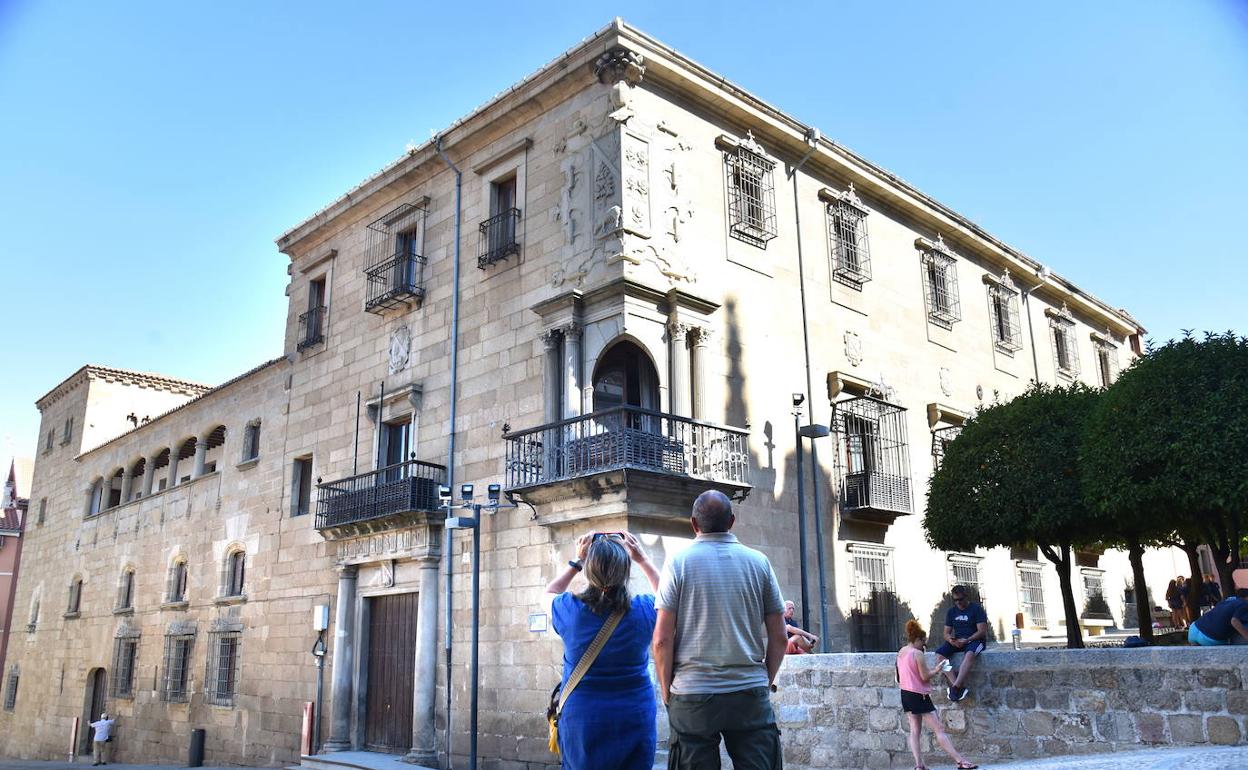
pixel 718 644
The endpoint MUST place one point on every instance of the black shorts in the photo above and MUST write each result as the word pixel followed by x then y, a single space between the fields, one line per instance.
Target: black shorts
pixel 916 703
pixel 947 650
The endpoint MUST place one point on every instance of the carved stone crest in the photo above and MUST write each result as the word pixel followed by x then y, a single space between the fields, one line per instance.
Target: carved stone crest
pixel 400 348
pixel 946 381
pixel 853 348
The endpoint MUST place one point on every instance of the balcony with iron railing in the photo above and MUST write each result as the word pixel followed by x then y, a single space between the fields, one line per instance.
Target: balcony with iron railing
pixel 673 454
pixel 311 328
pixel 497 238
pixel 378 500
pixel 398 280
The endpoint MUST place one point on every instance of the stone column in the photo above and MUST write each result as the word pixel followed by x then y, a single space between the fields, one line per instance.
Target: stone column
pixel 424 736
pixel 678 358
pixel 127 480
pixel 550 340
pixel 173 466
pixel 343 662
pixel 572 370
pixel 201 452
pixel 90 498
pixel 149 476
pixel 701 349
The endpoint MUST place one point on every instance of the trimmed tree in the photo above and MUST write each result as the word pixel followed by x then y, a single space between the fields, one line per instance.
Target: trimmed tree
pixel 1010 478
pixel 1166 447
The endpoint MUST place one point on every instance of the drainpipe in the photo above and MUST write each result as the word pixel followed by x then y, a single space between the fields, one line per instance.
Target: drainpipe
pixel 1043 272
pixel 812 141
pixel 447 543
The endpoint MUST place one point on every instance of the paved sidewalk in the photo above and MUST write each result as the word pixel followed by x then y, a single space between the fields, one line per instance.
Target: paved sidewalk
pixel 85 762
pixel 1194 758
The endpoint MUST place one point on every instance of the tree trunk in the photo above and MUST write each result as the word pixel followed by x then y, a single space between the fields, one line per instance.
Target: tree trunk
pixel 1074 634
pixel 1196 585
pixel 1143 607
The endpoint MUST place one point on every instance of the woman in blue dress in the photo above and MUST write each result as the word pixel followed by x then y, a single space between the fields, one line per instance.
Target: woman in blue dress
pixel 607 722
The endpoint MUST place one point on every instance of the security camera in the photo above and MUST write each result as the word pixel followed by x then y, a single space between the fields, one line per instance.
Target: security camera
pixel 465 492
pixel 493 492
pixel 444 494
pixel 799 399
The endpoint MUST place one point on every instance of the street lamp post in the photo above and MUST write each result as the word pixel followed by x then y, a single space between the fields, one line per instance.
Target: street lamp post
pixel 812 432
pixel 798 399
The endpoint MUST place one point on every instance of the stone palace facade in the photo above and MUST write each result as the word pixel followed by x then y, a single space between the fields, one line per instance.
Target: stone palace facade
pixel 651 264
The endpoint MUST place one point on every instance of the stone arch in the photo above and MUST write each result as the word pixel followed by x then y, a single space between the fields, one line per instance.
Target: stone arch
pixel 625 372
pixel 177 577
pixel 233 570
pixel 125 587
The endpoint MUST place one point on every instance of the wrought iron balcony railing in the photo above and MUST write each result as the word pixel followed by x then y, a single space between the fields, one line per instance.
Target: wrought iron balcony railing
pixel 312 327
pixel 400 488
pixel 498 238
pixel 396 281
pixel 626 437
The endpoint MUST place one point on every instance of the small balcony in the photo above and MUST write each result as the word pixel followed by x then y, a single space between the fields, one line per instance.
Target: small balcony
pixel 311 328
pixel 387 498
pixel 673 457
pixel 497 240
pixel 394 282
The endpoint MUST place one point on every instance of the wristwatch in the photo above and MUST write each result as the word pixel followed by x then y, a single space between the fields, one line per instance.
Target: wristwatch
pixel 576 565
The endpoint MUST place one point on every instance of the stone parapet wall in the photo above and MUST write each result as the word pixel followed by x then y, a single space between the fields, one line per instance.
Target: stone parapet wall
pixel 844 711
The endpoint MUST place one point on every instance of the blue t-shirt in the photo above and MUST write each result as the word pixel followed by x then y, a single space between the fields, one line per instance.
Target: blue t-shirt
pixel 624 662
pixel 964 622
pixel 1216 623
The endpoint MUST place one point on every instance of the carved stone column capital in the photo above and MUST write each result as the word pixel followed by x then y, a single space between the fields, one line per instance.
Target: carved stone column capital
pixel 571 330
pixel 347 571
pixel 550 338
pixel 678 330
pixel 702 336
pixel 619 64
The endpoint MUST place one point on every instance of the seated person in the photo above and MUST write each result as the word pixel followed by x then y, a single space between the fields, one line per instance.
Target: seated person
pixel 794 631
pixel 966 631
pixel 1228 618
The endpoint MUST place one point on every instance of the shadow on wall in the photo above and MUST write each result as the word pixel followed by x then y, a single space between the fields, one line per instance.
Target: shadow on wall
pixel 766 474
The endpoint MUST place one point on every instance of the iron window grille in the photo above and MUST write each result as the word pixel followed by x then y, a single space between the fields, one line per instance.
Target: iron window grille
pixel 1065 351
pixel 964 570
pixel 395 275
pixel 221 681
pixel 177 666
pixel 1031 595
pixel 125 590
pixel 751 193
pixel 873 600
pixel 235 571
pixel 1007 333
pixel 941 438
pixel 1106 362
pixel 10 689
pixel 1095 605
pixel 847 233
pixel 177 583
pixel 874 460
pixel 940 286
pixel 312 327
pixel 497 238
pixel 125 651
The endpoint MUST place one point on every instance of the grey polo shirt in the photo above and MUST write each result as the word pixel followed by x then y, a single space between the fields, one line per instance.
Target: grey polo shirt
pixel 720 590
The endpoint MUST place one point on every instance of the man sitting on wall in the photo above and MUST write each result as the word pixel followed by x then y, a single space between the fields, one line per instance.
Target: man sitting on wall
pixel 966 631
pixel 801 641
pixel 1217 626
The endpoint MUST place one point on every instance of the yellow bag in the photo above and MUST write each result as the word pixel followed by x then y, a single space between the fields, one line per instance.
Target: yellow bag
pixel 559 695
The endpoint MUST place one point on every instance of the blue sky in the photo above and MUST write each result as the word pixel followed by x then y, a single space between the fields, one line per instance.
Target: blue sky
pixel 151 152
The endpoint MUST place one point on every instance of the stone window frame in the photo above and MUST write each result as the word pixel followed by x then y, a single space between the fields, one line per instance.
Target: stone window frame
pixel 125 591
pixel 223 667
pixel 511 162
pixel 175 594
pixel 47 447
pixel 939 271
pixel 73 607
pixel 67 433
pixel 125 657
pixel 1106 358
pixel 1036 569
pixel 32 621
pixel 750 190
pixel 10 687
pixel 43 512
pixel 302 467
pixel 846 215
pixel 1063 343
pixel 234 574
pixel 251 441
pixel 175 684
pixel 1004 314
pixel 967 561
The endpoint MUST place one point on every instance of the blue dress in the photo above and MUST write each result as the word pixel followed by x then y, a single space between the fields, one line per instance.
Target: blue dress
pixel 608 721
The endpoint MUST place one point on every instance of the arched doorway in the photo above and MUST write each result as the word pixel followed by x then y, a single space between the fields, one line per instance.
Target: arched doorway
pixel 625 376
pixel 93 705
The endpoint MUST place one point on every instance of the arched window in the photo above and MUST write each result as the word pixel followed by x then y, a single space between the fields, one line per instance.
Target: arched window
pixel 176 590
pixel 625 377
pixel 235 566
pixel 125 590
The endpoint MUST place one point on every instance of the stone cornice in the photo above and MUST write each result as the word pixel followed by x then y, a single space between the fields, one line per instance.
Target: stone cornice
pixel 108 374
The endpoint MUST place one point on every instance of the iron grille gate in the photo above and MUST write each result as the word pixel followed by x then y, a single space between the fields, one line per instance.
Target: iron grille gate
pixel 873 600
pixel 873 455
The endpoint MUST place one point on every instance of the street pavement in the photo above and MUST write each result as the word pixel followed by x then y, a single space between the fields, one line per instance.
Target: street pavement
pixel 1194 758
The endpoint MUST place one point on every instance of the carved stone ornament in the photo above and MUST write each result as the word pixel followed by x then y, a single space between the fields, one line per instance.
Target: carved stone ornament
pixel 946 381
pixel 400 348
pixel 751 144
pixel 853 348
pixel 618 64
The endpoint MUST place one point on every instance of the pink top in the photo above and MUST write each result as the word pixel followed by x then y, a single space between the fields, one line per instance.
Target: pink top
pixel 908 671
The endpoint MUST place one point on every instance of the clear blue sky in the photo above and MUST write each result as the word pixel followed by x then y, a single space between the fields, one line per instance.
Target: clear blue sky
pixel 150 152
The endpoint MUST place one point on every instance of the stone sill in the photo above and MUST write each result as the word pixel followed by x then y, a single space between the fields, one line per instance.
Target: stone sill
pixel 179 605
pixel 123 610
pixel 249 463
pixel 222 601
pixel 72 615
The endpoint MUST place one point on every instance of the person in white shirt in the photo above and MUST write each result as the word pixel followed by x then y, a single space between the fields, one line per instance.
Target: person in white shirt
pixel 103 728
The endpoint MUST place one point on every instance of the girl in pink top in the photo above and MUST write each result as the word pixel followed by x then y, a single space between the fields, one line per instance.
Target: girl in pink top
pixel 913 675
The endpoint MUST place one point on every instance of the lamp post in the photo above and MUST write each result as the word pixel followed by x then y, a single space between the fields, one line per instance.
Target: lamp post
pixel 798 400
pixel 492 506
pixel 812 432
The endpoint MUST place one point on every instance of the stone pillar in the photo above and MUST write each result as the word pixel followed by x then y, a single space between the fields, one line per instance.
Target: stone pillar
pixel 551 381
pixel 424 698
pixel 173 466
pixel 678 358
pixel 572 370
pixel 149 476
pixel 90 498
pixel 343 662
pixel 127 480
pixel 701 349
pixel 201 452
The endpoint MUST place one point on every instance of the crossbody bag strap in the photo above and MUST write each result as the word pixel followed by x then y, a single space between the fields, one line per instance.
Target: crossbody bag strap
pixel 587 659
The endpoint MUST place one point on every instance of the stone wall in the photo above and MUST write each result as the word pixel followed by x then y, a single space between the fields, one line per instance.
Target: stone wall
pixel 843 711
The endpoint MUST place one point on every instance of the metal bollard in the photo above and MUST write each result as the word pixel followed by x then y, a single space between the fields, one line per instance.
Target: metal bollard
pixel 196 756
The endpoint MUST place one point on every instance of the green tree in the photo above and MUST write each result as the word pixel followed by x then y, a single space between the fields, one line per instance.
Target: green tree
pixel 1011 478
pixel 1166 448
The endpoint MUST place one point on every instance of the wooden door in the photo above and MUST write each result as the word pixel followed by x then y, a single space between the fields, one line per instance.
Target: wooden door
pixel 97 692
pixel 391 672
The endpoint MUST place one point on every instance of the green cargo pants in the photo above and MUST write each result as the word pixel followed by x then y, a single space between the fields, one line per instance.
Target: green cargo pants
pixel 743 719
